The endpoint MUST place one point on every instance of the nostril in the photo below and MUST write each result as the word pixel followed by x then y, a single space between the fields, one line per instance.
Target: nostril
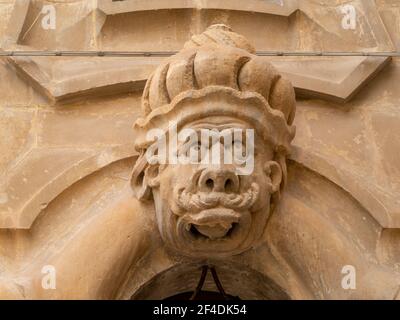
pixel 228 185
pixel 212 180
pixel 210 184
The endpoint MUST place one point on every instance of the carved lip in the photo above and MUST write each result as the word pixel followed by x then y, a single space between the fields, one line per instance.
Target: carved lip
pixel 215 215
pixel 212 223
pixel 219 231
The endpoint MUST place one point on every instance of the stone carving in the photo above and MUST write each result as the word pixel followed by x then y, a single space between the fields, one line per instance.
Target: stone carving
pixel 65 193
pixel 216 83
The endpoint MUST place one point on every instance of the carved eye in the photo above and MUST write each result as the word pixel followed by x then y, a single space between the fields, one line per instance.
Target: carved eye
pixel 195 147
pixel 191 152
pixel 194 152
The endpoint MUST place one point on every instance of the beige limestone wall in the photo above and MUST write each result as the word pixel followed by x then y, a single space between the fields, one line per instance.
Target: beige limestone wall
pixel 67 150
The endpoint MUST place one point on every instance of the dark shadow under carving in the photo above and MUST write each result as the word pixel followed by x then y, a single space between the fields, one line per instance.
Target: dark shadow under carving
pixel 227 281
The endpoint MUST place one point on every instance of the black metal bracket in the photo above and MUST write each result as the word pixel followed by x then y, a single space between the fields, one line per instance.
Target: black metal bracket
pixel 204 271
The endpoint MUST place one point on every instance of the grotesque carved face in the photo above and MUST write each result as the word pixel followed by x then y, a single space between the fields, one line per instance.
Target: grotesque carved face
pixel 213 208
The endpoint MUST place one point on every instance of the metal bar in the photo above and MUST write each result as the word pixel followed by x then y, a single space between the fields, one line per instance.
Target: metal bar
pixel 218 283
pixel 38 53
pixel 201 282
pixel 328 54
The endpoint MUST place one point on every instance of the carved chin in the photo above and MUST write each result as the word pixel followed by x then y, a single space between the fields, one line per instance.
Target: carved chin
pixel 213 231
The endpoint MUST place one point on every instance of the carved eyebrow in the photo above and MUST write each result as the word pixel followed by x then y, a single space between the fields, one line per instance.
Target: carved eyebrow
pixel 222 126
pixel 230 131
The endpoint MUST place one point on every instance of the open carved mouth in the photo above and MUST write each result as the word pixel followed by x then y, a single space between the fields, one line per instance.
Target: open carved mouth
pixel 211 232
pixel 217 231
pixel 213 224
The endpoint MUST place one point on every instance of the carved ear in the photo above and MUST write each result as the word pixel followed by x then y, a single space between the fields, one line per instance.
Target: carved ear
pixel 151 175
pixel 144 177
pixel 138 181
pixel 273 169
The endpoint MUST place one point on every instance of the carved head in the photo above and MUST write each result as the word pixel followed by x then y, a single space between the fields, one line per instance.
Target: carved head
pixel 212 99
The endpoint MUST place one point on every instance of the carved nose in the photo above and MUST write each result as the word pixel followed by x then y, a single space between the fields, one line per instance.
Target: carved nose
pixel 219 180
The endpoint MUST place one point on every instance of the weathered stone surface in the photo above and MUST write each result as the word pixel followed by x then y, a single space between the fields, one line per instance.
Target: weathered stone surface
pixel 16 16
pixel 68 149
pixel 51 149
pixel 277 7
pixel 369 34
pixel 119 25
pixel 338 79
pixel 65 80
pixel 25 25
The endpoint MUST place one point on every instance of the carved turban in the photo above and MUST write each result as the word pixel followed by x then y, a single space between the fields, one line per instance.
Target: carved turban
pixel 219 65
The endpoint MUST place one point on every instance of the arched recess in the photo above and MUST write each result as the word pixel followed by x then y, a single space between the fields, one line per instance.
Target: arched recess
pixel 237 280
